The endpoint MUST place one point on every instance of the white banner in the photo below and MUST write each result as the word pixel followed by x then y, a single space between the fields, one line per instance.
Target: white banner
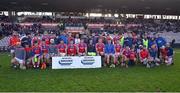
pixel 69 62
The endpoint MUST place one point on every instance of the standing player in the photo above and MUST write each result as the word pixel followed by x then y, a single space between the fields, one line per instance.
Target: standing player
pixel 62 48
pixel 36 49
pixel 109 52
pixel 71 49
pixel 91 48
pixel 118 50
pixel 45 54
pixel 53 51
pixel 82 48
pixel 35 39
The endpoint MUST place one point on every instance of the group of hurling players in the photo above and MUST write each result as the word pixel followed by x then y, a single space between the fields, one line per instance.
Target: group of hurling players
pixel 116 50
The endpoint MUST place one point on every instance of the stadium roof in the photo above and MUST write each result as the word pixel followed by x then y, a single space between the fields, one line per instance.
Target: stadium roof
pixel 171 7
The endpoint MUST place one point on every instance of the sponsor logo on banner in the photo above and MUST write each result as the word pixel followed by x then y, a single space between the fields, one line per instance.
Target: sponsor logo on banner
pixel 66 61
pixel 88 60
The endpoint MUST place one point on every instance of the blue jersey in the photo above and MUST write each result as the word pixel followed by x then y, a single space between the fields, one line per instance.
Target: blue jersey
pixel 109 48
pixel 64 38
pixel 170 51
pixel 160 41
pixel 152 42
pixel 153 52
pixel 128 41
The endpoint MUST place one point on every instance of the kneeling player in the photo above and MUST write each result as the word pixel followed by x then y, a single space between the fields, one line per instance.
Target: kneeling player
pixel 71 49
pixel 109 52
pixel 153 51
pixel 82 48
pixel 28 56
pixel 62 48
pixel 144 55
pixel 19 59
pixel 170 54
pixel 125 56
pixel 132 57
pixel 37 55
pixel 163 54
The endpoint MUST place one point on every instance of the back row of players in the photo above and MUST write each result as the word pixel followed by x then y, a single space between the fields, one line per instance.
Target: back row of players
pixel 150 51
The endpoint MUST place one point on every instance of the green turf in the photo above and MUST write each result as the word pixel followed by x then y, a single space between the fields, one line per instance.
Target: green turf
pixel 136 78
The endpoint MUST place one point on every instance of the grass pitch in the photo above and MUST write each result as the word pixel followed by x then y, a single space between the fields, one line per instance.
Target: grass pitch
pixel 136 78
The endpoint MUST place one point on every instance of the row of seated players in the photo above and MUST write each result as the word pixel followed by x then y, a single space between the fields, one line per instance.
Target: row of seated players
pixel 40 54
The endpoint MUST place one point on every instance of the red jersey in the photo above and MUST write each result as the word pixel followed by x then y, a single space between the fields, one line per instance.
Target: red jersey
pixel 36 39
pixel 132 55
pixel 47 39
pixel 71 49
pixel 117 48
pixel 144 54
pixel 100 47
pixel 36 49
pixel 116 39
pixel 14 40
pixel 70 38
pixel 82 47
pixel 27 49
pixel 163 52
pixel 62 48
pixel 45 49
pixel 126 52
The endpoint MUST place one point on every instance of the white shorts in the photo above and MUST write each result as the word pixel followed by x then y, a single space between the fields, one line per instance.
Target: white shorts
pixel 19 60
pixel 62 54
pixel 12 51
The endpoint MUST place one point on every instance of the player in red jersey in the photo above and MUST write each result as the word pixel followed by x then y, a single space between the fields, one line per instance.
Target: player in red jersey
pixel 116 39
pixel 46 38
pixel 45 54
pixel 118 50
pixel 100 48
pixel 144 56
pixel 71 49
pixel 62 48
pixel 125 56
pixel 13 43
pixel 82 48
pixel 36 49
pixel 132 57
pixel 35 39
pixel 163 54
